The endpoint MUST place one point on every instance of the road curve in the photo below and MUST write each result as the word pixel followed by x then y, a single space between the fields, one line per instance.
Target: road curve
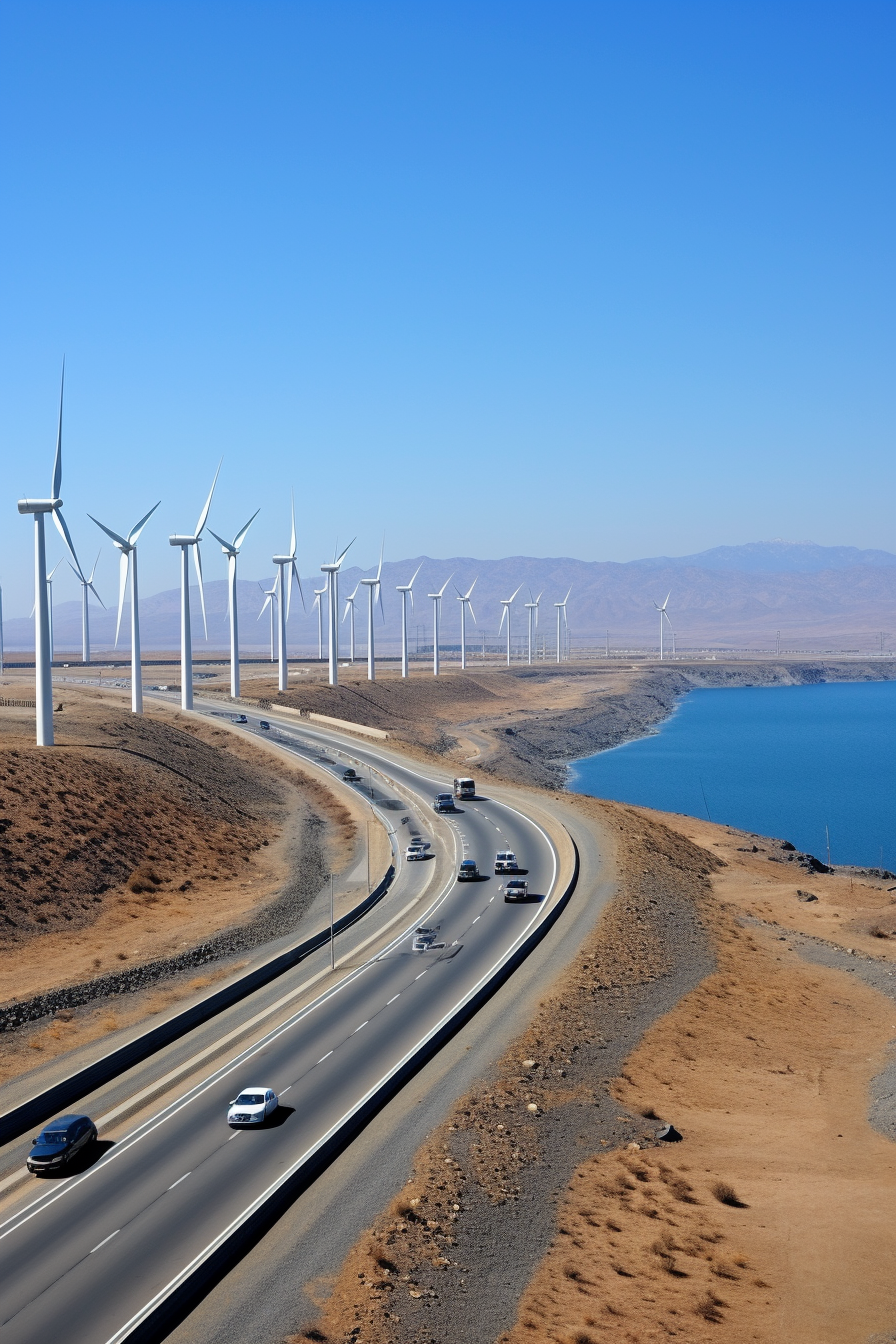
pixel 92 1252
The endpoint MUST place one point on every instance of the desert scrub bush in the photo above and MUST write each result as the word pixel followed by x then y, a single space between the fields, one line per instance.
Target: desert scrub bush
pixel 726 1194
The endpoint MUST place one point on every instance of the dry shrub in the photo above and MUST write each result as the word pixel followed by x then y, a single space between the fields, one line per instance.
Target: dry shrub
pixel 709 1308
pixel 144 879
pixel 726 1194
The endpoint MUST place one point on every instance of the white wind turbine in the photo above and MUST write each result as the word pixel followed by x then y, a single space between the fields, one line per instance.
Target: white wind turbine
pixel 561 607
pixel 505 603
pixel 86 588
pixel 332 573
pixel 350 613
pixel 319 604
pixel 127 565
pixel 270 600
pixel 406 590
pixel 43 670
pixel 436 621
pixel 664 615
pixel 464 600
pixel 232 549
pixel 50 608
pixel 532 610
pixel 186 636
pixel 374 591
pixel 287 562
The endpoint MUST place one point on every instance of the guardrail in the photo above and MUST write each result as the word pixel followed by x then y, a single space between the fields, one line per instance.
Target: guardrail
pixel 169 1307
pixel 53 1099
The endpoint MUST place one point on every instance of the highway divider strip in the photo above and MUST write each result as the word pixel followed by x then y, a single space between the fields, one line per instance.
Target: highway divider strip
pixel 170 1305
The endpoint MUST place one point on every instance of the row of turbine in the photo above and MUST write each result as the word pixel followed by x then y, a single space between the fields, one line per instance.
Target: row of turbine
pixel 287 569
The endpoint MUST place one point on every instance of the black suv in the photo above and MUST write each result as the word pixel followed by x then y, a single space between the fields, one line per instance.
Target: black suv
pixel 58 1142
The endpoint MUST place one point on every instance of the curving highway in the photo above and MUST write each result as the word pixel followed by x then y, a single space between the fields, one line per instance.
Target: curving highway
pixel 91 1256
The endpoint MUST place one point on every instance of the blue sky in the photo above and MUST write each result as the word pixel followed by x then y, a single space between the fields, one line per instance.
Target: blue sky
pixel 594 279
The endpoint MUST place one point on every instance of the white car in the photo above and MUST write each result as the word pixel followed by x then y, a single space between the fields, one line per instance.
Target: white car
pixel 517 890
pixel 414 852
pixel 253 1106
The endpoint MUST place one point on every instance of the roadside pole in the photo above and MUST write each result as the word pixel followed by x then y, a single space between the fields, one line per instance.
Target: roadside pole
pixel 332 932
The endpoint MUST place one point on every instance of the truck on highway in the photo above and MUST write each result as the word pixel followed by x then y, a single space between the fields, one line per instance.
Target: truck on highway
pixel 464 787
pixel 505 861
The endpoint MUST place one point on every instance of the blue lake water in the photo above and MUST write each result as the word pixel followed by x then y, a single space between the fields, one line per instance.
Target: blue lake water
pixel 778 760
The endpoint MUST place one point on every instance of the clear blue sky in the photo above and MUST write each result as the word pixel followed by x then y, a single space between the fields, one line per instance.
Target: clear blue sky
pixel 594 279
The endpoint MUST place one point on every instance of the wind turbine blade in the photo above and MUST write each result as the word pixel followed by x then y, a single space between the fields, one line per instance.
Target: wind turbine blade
pixel 338 562
pixel 292 535
pixel 472 612
pixel 510 599
pixel 204 514
pixel 197 561
pixel 226 544
pixel 57 461
pixel 135 531
pixel 97 596
pixel 445 584
pixel 503 614
pixel 413 580
pixel 267 599
pixel 472 586
pixel 56 566
pixel 124 566
pixel 298 579
pixel 379 569
pixel 411 593
pixel 119 541
pixel 379 593
pixel 95 563
pixel 62 528
pixel 241 536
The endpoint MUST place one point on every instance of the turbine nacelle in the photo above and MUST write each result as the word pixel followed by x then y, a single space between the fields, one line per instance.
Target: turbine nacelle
pixel 39 505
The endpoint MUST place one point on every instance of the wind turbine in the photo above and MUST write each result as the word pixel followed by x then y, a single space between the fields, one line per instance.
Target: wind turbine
pixel 505 603
pixel 50 608
pixel 127 564
pixel 405 589
pixel 374 591
pixel 436 614
pixel 87 585
pixel 287 562
pixel 532 609
pixel 332 573
pixel 186 637
pixel 43 669
pixel 350 611
pixel 232 549
pixel 318 602
pixel 561 607
pixel 464 600
pixel 270 600
pixel 664 615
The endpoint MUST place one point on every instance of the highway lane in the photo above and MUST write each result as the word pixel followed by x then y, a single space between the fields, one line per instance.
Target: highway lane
pixel 90 1252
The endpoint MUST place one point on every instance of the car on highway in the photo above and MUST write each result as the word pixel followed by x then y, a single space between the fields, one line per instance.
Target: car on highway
pixel 443 802
pixel 415 852
pixel 517 889
pixel 252 1106
pixel 351 776
pixel 424 939
pixel 468 871
pixel 238 718
pixel 263 724
pixel 505 861
pixel 59 1141
pixel 464 787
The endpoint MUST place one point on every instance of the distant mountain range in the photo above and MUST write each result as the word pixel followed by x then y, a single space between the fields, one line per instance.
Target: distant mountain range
pixel 730 596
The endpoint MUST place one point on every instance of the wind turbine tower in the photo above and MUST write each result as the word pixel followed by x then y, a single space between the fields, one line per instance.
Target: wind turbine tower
pixel 87 588
pixel 332 591
pixel 232 549
pixel 664 616
pixel 436 622
pixel 464 600
pixel 350 613
pixel 187 544
pixel 374 591
pixel 127 565
pixel 270 600
pixel 43 671
pixel 50 608
pixel 532 610
pixel 505 603
pixel 561 608
pixel 284 583
pixel 406 589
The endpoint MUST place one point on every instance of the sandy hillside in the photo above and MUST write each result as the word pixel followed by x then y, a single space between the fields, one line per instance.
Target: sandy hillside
pixel 137 837
pixel 771 1220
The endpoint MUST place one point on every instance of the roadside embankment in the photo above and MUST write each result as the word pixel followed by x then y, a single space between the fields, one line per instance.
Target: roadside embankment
pixel 138 852
pixel 531 1215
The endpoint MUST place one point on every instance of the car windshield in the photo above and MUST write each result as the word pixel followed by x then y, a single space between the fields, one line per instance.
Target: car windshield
pixel 250 1099
pixel 53 1137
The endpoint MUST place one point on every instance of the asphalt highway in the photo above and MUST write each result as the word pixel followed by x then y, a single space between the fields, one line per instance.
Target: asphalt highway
pixel 86 1256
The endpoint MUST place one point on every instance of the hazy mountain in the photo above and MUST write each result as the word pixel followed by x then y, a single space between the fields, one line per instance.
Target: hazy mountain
pixel 817 596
